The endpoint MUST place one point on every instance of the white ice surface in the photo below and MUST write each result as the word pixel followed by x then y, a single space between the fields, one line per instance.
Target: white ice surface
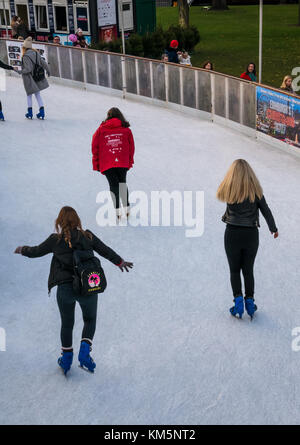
pixel 166 348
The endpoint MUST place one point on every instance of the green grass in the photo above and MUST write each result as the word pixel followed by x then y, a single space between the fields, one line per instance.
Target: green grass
pixel 230 38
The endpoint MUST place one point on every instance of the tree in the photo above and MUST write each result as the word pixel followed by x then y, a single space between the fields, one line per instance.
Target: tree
pixel 299 14
pixel 219 4
pixel 184 13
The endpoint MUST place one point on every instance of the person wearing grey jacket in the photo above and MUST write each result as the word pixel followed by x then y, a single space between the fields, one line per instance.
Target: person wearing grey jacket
pixel 31 58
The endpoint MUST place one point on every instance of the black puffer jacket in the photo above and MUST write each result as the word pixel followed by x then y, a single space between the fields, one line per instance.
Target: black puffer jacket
pixel 247 214
pixel 62 260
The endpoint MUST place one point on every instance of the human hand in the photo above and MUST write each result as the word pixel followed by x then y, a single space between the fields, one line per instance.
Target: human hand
pixel 125 265
pixel 276 234
pixel 19 249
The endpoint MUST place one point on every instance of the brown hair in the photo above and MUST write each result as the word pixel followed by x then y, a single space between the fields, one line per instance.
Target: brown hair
pixel 206 62
pixel 116 113
pixel 239 184
pixel 66 221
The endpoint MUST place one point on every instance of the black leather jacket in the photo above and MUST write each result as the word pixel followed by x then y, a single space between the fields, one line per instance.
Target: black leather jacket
pixel 246 214
pixel 61 269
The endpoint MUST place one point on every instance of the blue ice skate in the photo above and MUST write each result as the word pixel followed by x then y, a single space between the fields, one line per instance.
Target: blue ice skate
pixel 41 114
pixel 29 114
pixel 250 306
pixel 238 308
pixel 65 361
pixel 84 357
pixel 1 116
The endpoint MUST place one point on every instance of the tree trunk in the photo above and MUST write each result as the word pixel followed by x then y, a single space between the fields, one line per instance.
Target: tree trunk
pixel 219 4
pixel 184 13
pixel 299 14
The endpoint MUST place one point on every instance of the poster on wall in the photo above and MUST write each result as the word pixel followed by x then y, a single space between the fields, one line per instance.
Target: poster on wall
pixel 106 13
pixel 14 53
pixel 50 16
pixel 278 115
pixel 31 15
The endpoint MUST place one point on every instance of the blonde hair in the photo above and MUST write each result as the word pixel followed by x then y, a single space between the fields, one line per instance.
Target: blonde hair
pixel 239 184
pixel 24 50
pixel 283 85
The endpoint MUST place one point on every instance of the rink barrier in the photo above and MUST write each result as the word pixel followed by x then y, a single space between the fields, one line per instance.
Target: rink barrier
pixel 221 98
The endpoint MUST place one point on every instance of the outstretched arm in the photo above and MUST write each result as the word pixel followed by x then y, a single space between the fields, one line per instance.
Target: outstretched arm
pixel 40 250
pixel 5 66
pixel 265 210
pixel 105 251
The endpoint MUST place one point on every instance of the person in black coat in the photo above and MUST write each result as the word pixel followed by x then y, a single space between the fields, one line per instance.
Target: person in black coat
pixel 172 52
pixel 5 67
pixel 243 194
pixel 70 236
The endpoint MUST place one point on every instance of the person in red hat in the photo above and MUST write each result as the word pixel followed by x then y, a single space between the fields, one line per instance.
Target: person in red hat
pixel 172 52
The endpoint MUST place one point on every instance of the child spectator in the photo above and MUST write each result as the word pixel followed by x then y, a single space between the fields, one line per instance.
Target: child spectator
pixel 184 58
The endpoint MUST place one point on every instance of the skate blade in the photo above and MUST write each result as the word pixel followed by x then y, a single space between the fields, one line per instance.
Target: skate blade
pixel 86 369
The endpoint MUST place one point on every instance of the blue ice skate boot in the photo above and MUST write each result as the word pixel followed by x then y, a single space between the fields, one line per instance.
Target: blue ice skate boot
pixel 41 114
pixel 1 116
pixel 238 308
pixel 250 306
pixel 65 361
pixel 29 114
pixel 84 357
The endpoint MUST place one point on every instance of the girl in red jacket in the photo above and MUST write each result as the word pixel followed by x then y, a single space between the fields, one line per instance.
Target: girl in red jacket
pixel 113 151
pixel 250 73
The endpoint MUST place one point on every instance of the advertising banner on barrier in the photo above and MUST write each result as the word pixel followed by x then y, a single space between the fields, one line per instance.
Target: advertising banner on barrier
pixel 14 53
pixel 278 115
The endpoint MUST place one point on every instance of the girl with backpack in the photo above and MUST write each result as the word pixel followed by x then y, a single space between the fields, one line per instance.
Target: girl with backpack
pixel 113 156
pixel 33 75
pixel 242 192
pixel 70 237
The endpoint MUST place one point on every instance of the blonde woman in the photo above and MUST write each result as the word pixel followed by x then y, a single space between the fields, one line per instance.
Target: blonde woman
pixel 30 59
pixel 242 192
pixel 287 84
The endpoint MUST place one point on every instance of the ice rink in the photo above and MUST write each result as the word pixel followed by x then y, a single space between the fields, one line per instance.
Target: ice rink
pixel 166 348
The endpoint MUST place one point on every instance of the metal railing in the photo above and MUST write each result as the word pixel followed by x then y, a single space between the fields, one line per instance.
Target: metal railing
pixel 220 95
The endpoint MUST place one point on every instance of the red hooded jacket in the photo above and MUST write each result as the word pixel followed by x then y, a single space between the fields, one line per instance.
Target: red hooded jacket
pixel 112 146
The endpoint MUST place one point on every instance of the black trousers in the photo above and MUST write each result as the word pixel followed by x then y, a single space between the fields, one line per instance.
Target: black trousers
pixel 66 300
pixel 241 244
pixel 0 106
pixel 115 177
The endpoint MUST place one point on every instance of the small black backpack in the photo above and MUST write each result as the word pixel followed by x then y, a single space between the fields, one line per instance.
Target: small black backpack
pixel 38 71
pixel 89 277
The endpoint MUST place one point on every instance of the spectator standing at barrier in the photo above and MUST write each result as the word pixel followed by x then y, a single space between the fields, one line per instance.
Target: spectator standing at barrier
pixel 172 52
pixel 242 192
pixel 208 65
pixel 287 84
pixel 33 74
pixel 56 40
pixel 164 57
pixel 74 40
pixel 250 73
pixel 113 156
pixel 184 58
pixel 22 29
pixel 69 240
pixel 5 67
pixel 81 39
pixel 14 26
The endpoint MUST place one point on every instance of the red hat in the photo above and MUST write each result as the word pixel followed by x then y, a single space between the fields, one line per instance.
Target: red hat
pixel 174 44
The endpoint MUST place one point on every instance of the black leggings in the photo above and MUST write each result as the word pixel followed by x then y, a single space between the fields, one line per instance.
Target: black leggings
pixel 66 300
pixel 115 177
pixel 241 244
pixel 0 106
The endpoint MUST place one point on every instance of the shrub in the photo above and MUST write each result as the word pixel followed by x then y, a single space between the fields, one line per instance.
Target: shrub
pixel 152 45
